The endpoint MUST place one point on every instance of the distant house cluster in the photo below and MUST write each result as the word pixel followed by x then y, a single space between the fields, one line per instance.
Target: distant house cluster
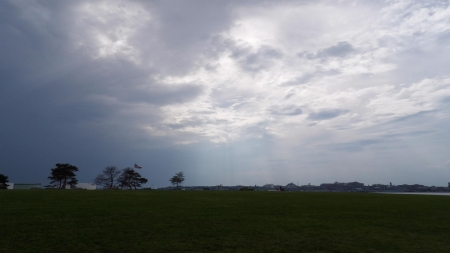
pixel 325 187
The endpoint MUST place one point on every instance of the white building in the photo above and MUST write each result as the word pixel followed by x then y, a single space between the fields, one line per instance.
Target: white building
pixel 10 186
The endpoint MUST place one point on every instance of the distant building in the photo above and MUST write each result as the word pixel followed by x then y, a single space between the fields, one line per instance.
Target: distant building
pixel 413 187
pixel 10 186
pixel 378 187
pixel 26 186
pixel 336 186
pixel 270 186
pixel 352 186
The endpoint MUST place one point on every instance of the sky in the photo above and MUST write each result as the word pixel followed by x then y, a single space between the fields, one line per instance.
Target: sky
pixel 238 92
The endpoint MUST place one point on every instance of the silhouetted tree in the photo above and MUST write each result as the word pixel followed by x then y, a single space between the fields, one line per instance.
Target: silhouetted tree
pixel 63 175
pixel 108 178
pixel 3 182
pixel 177 179
pixel 130 179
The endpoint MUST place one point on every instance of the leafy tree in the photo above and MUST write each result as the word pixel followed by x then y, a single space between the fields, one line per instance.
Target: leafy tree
pixel 130 179
pixel 177 179
pixel 63 175
pixel 108 178
pixel 3 182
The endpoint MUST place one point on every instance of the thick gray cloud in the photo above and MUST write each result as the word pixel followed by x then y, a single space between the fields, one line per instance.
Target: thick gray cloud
pixel 160 95
pixel 326 114
pixel 217 89
pixel 287 111
pixel 58 102
pixel 299 80
pixel 264 57
pixel 308 77
pixel 341 49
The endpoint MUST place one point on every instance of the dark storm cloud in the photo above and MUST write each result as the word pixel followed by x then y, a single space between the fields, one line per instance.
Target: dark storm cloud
pixel 59 102
pixel 97 83
pixel 162 95
pixel 41 69
pixel 326 114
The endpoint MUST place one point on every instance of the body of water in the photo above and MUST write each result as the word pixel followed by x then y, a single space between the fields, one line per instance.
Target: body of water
pixel 419 193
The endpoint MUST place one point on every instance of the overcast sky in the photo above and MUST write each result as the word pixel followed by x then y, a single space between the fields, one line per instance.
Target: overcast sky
pixel 229 92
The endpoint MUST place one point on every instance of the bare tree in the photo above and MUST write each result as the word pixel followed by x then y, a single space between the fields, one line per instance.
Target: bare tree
pixel 108 178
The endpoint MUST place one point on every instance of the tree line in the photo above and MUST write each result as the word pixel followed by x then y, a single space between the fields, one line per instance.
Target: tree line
pixel 63 176
pixel 113 178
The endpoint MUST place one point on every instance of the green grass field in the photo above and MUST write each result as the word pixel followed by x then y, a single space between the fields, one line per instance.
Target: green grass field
pixel 211 221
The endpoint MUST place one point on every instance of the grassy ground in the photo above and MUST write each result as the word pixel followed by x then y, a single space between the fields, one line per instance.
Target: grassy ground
pixel 211 221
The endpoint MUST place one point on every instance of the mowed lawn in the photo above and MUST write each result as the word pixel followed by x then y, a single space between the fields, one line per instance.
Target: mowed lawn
pixel 225 221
